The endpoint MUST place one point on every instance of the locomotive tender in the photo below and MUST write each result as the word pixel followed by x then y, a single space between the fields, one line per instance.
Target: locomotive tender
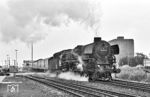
pixel 95 60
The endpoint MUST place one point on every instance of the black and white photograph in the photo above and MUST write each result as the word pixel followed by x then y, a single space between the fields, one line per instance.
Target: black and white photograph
pixel 74 48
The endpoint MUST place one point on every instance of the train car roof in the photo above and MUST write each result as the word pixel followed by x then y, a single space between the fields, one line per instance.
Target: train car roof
pixel 38 60
pixel 63 51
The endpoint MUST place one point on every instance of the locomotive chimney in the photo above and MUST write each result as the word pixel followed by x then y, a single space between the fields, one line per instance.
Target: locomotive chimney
pixel 97 39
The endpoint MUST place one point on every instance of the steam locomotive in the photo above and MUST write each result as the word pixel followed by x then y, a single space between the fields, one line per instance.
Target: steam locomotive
pixel 95 60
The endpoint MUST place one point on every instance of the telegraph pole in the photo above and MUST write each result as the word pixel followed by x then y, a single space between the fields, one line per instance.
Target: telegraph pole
pixel 8 60
pixel 16 57
pixel 32 53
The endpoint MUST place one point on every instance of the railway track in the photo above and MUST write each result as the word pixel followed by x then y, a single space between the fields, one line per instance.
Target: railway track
pixel 78 90
pixel 128 84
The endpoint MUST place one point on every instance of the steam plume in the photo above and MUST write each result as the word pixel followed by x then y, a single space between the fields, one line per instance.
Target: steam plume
pixel 81 63
pixel 30 20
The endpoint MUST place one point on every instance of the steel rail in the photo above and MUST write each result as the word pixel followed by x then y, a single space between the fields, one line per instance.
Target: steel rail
pixel 126 84
pixel 81 90
pixel 131 82
pixel 56 86
pixel 92 89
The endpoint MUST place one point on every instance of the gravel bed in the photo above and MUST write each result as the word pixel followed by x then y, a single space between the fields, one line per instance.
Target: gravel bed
pixel 29 88
pixel 115 89
pixel 109 87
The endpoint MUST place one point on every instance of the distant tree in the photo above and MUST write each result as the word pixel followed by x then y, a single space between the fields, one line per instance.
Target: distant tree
pixel 140 58
pixel 142 55
pixel 133 61
pixel 123 61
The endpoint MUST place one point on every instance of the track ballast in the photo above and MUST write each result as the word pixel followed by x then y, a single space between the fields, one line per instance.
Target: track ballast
pixel 76 89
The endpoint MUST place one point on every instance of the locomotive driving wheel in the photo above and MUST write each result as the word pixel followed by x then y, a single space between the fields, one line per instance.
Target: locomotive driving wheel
pixel 109 77
pixel 93 77
pixel 90 79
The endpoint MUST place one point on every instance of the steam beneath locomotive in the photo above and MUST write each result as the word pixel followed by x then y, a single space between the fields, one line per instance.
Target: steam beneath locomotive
pixel 95 61
pixel 72 76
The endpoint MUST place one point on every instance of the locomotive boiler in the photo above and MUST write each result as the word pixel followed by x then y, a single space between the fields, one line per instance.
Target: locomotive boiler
pixel 96 60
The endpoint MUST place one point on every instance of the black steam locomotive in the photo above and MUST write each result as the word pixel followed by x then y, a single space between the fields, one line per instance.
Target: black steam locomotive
pixel 95 60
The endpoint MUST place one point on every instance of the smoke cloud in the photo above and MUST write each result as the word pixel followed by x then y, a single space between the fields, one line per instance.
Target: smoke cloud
pixel 30 20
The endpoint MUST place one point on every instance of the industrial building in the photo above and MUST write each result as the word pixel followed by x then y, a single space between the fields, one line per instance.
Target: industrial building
pixel 126 47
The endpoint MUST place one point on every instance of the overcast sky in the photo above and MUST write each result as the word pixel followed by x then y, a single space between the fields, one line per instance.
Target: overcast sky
pixel 54 25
